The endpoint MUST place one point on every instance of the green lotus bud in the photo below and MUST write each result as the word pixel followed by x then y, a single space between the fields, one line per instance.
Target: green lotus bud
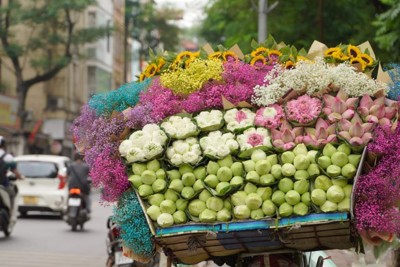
pixel 153 165
pixel 250 188
pixel 301 162
pixel 267 179
pixel 335 194
pixel 236 181
pixel 264 192
pixel 212 167
pixel 339 159
pixel 300 209
pixel 239 198
pixel 262 167
pixel 181 204
pixel 161 174
pixel 215 203
pixel 171 195
pixel 167 206
pixel 285 184
pixel 278 197
pixel 226 162
pixel 312 156
pixel 333 170
pixel 156 199
pixel 285 210
pixel 188 192
pixel 241 212
pixel 272 159
pixel 313 170
pixel 323 182
pixel 318 196
pixel 344 148
pixel 276 171
pixel 354 159
pixel 257 155
pixel 148 177
pixel 196 206
pixel 179 217
pixel 253 177
pixel 211 180
pixel 223 187
pixel 174 174
pixel 300 149
pixel 301 175
pixel 153 212
pixel 224 174
pixel 188 179
pixel 344 205
pixel 301 186
pixel 185 168
pixel 249 165
pixel 288 169
pixel 198 185
pixel 227 204
pixel 176 185
pixel 329 206
pixel 339 182
pixel 159 185
pixel 200 173
pixel 165 220
pixel 348 189
pixel 237 169
pixel 139 168
pixel 287 157
pixel 268 207
pixel 253 201
pixel 324 162
pixel 292 197
pixel 257 214
pixel 349 171
pixel 328 150
pixel 208 216
pixel 145 190
pixel 204 195
pixel 306 198
pixel 136 180
pixel 224 215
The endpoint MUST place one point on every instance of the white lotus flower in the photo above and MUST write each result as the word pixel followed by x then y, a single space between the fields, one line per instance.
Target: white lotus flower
pixel 218 145
pixel 179 127
pixel 124 147
pixel 135 154
pixel 239 118
pixel 184 151
pixel 209 119
pixel 254 137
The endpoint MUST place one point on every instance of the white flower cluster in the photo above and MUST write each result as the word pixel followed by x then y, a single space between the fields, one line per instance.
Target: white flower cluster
pixel 144 144
pixel 313 77
pixel 219 145
pixel 210 119
pixel 184 151
pixel 254 137
pixel 238 119
pixel 179 127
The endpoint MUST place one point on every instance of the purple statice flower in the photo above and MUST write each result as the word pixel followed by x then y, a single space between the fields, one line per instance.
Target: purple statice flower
pixel 109 173
pixel 81 127
pixel 138 116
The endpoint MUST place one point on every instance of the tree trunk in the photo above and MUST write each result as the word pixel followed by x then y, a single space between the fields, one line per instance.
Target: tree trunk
pixel 22 90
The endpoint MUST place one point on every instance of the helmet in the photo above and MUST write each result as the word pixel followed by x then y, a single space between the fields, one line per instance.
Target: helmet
pixel 2 141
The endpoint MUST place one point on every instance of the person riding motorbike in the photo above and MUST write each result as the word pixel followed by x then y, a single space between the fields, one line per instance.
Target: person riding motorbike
pixel 78 177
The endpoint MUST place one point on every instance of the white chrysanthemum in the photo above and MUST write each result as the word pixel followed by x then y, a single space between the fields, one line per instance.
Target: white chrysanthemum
pixel 124 147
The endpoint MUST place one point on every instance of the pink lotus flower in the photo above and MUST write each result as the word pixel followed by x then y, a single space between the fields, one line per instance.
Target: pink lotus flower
pixel 269 117
pixel 322 134
pixel 355 131
pixel 287 137
pixel 304 109
pixel 376 111
pixel 339 107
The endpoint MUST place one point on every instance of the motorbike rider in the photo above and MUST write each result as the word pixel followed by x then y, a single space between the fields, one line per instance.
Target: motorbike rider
pixel 7 163
pixel 78 173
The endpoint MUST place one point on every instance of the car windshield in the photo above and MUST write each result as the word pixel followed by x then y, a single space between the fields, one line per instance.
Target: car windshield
pixel 37 169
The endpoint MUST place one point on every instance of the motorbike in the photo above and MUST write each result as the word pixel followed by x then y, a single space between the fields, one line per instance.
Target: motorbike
pixel 76 213
pixel 8 211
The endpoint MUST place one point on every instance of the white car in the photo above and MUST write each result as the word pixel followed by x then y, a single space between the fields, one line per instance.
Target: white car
pixel 44 187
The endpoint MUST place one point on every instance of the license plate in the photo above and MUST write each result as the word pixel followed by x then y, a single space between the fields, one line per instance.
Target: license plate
pixel 74 202
pixel 28 200
pixel 121 259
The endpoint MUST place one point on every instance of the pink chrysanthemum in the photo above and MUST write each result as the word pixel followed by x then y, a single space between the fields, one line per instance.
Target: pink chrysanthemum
pixel 304 109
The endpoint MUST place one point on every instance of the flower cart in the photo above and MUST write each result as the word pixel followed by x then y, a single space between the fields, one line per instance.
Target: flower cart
pixel 211 155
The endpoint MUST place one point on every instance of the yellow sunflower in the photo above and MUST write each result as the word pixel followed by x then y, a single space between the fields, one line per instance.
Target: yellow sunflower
pixel 161 63
pixel 229 54
pixel 196 54
pixel 367 59
pixel 188 61
pixel 259 58
pixel 274 52
pixel 353 51
pixel 340 56
pixel 259 51
pixel 215 55
pixel 330 51
pixel 142 77
pixel 289 64
pixel 151 70
pixel 182 55
pixel 360 61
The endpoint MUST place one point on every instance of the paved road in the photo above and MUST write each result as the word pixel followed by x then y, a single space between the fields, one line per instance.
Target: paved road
pixel 45 240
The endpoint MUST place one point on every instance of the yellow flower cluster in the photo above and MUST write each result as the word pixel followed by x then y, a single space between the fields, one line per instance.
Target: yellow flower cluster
pixel 188 80
pixel 349 53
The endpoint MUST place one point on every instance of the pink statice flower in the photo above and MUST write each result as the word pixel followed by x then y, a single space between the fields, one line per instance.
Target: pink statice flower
pixel 304 109
pixel 269 117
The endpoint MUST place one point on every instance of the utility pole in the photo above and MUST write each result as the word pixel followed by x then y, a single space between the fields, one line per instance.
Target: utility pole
pixel 263 10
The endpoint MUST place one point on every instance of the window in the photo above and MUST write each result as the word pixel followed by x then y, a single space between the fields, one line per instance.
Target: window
pixel 92 19
pixel 37 169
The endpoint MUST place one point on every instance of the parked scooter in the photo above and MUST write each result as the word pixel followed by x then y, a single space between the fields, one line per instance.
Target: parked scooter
pixel 8 212
pixel 76 213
